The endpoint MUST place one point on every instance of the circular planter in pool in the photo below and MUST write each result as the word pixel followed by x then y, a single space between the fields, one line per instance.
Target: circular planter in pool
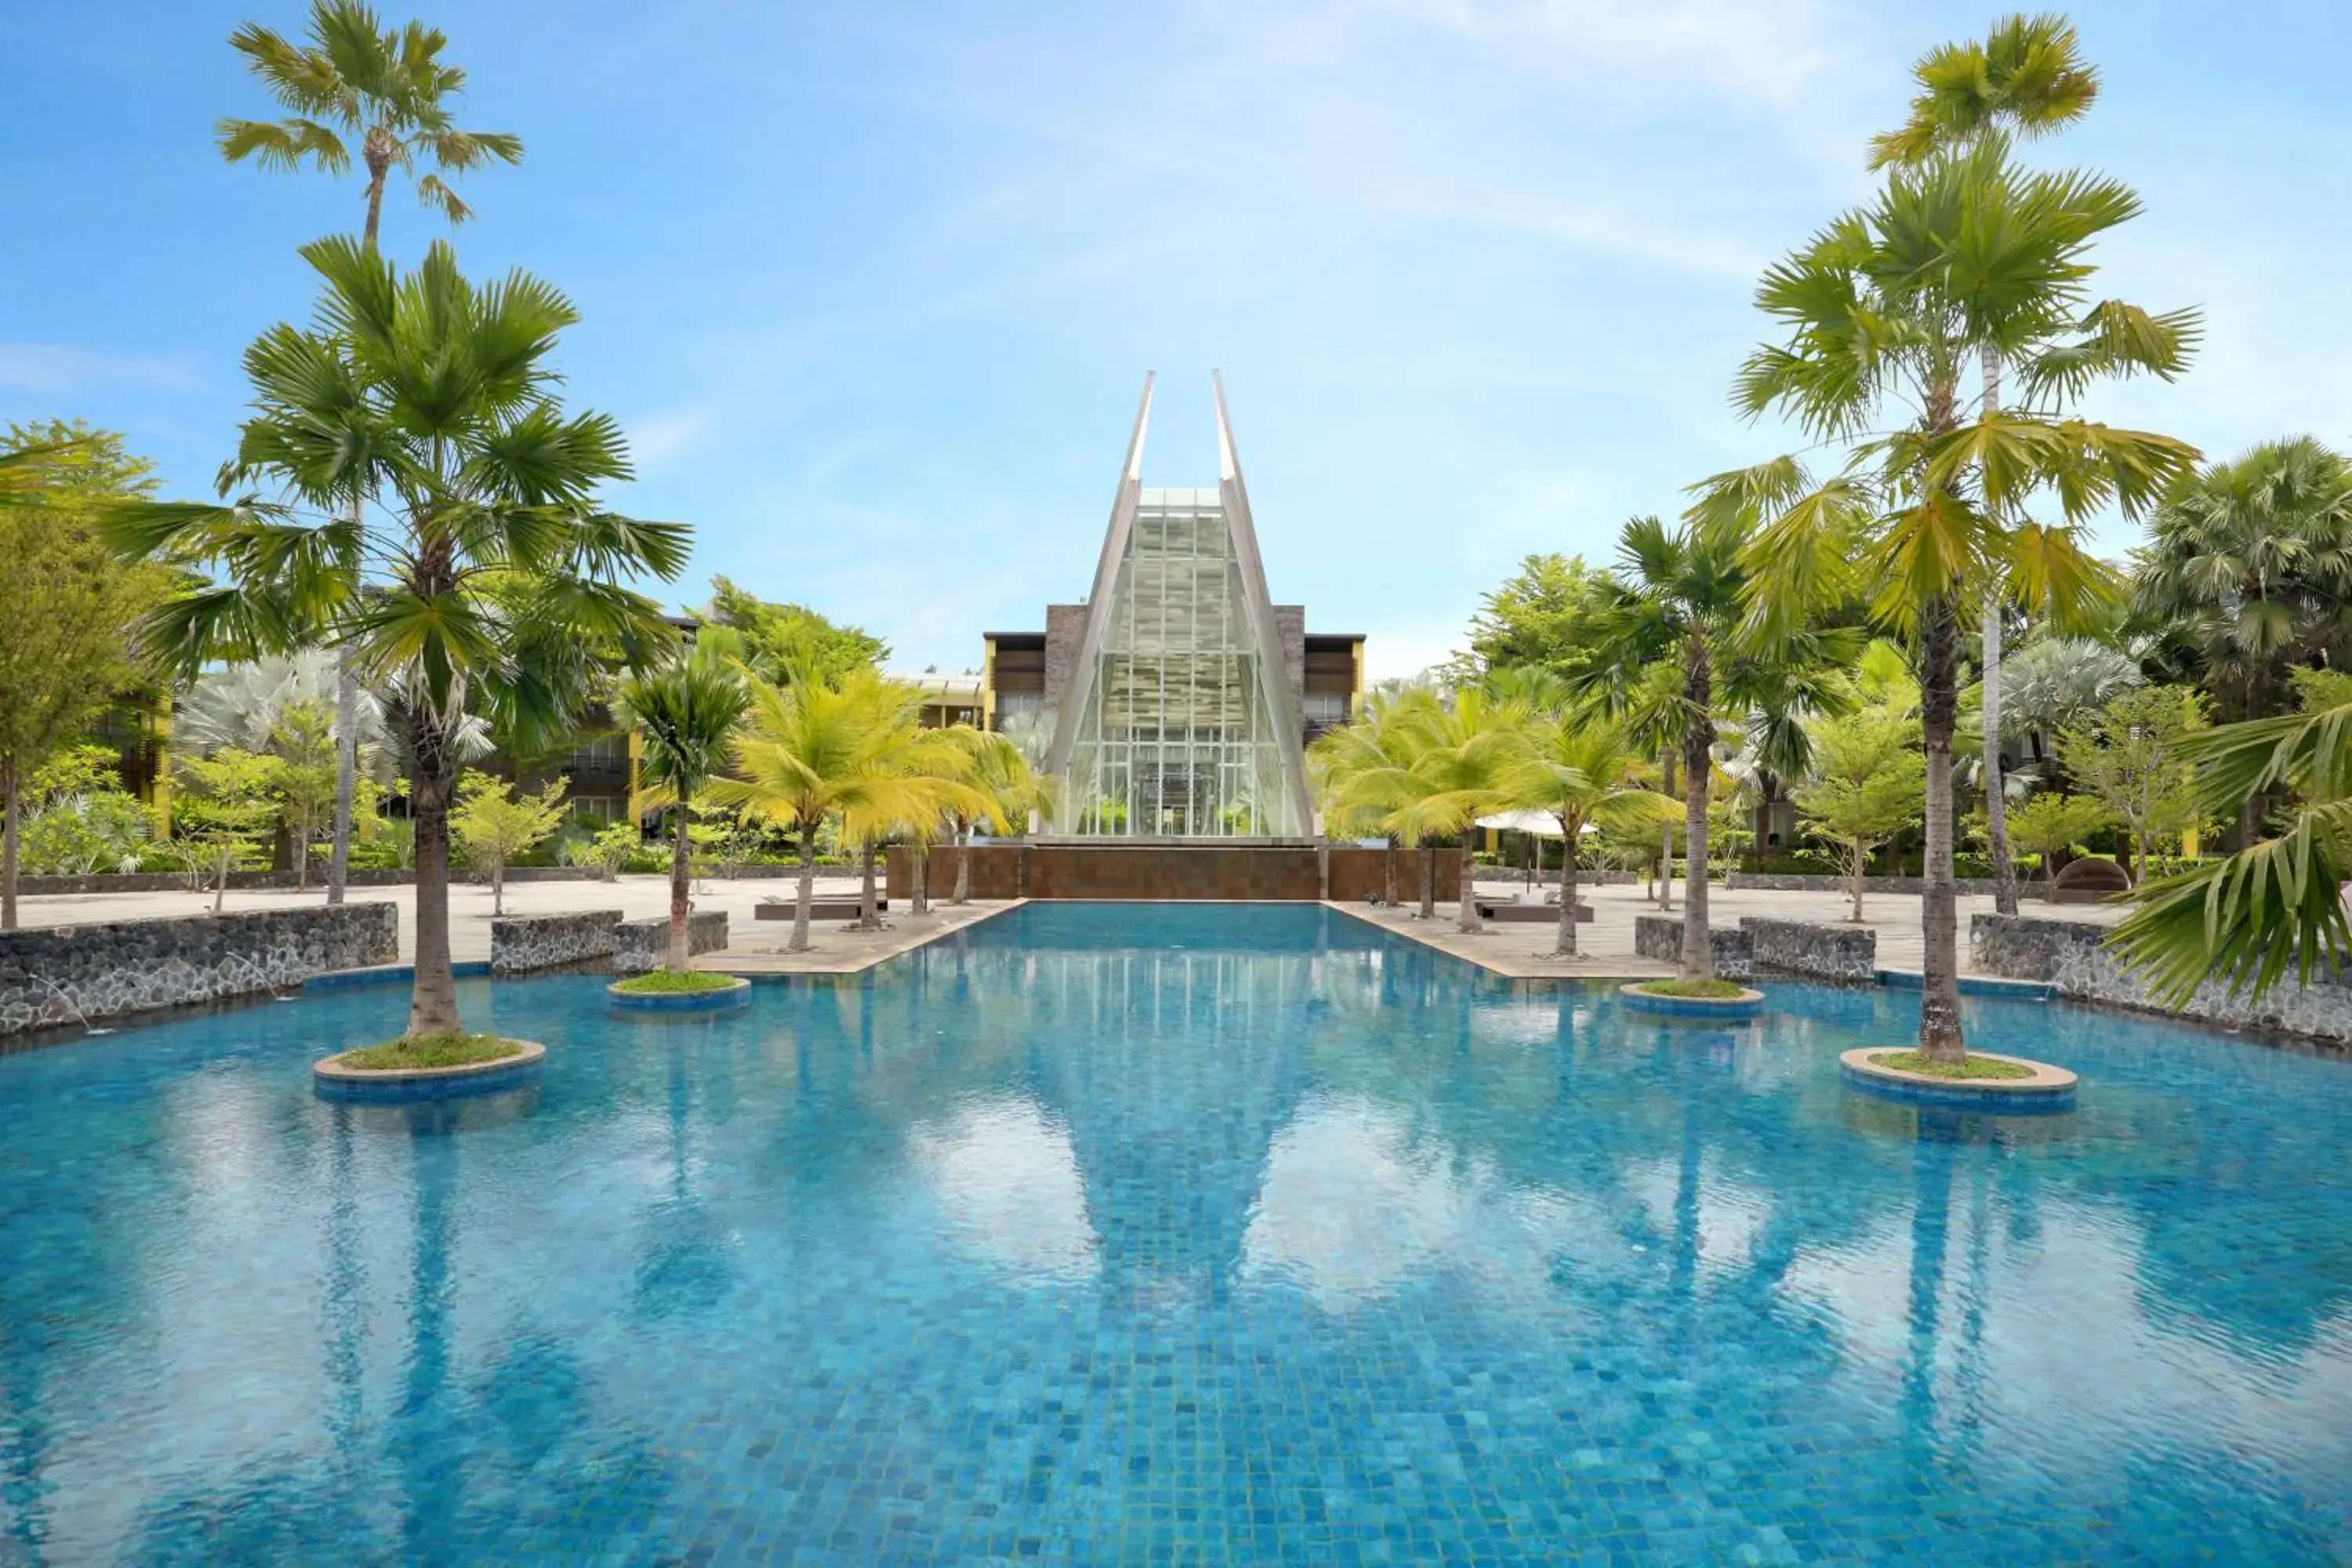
pixel 1721 1009
pixel 400 1086
pixel 680 1001
pixel 2048 1090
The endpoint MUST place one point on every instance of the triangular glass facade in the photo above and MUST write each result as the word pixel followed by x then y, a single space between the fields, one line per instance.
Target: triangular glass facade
pixel 1178 736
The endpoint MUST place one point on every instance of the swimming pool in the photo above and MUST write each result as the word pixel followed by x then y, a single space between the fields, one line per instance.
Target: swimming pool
pixel 1171 1234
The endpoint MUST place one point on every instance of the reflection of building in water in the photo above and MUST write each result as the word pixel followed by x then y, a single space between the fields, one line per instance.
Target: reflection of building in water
pixel 1178 697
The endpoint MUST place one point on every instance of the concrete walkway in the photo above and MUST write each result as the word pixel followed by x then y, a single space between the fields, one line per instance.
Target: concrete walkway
pixel 1605 943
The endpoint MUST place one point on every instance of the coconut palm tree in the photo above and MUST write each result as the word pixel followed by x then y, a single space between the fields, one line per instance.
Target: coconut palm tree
pixel 1585 772
pixel 1363 774
pixel 1884 311
pixel 686 706
pixel 429 405
pixel 999 766
pixel 1470 759
pixel 391 92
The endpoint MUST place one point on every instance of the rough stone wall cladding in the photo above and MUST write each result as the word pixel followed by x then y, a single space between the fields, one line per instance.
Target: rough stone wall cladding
pixel 523 943
pixel 1089 871
pixel 996 872
pixel 1065 628
pixel 1802 882
pixel 71 973
pixel 1801 947
pixel 2069 954
pixel 1661 937
pixel 642 944
pixel 1290 631
pixel 1357 875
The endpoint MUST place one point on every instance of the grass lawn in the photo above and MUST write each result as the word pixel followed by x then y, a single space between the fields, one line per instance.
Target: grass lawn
pixel 660 981
pixel 1973 1067
pixel 1701 990
pixel 431 1051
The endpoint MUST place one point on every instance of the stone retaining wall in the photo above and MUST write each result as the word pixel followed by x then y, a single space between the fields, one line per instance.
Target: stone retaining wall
pixel 644 944
pixel 1661 937
pixel 1803 947
pixel 519 944
pixel 64 975
pixel 1808 882
pixel 2070 955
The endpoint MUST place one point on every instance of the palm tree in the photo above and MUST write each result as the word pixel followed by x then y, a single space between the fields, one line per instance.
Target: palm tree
pixel 688 707
pixel 999 766
pixel 2027 78
pixel 2248 571
pixel 2246 920
pixel 1470 759
pixel 389 90
pixel 1883 310
pixel 1363 772
pixel 1586 770
pixel 428 404
pixel 354 79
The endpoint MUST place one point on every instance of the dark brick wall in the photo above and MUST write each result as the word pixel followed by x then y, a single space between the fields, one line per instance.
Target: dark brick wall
pixel 1110 870
pixel 1355 874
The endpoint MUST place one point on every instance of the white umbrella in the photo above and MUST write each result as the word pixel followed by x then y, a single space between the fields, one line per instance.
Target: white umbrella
pixel 1542 824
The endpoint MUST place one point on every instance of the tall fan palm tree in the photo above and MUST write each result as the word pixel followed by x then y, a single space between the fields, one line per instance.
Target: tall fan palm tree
pixel 688 707
pixel 354 79
pixel 1884 311
pixel 424 407
pixel 389 90
pixel 2027 78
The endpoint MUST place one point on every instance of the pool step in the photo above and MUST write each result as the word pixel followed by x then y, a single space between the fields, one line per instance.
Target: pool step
pixel 1976 985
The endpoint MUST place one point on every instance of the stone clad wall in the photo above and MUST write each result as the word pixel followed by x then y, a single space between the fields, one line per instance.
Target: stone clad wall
pixel 65 974
pixel 519 944
pixel 2070 955
pixel 1805 947
pixel 644 944
pixel 1661 937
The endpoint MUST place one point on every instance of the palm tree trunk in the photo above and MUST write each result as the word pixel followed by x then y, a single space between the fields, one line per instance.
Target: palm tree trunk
pixel 681 873
pixel 1565 946
pixel 800 942
pixel 868 917
pixel 347 763
pixel 1468 913
pixel 1388 874
pixel 1666 842
pixel 1939 1003
pixel 1698 764
pixel 11 815
pixel 963 866
pixel 2004 864
pixel 433 1001
pixel 921 902
pixel 1429 881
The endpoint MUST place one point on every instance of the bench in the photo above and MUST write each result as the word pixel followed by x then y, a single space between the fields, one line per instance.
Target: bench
pixel 819 908
pixel 1507 911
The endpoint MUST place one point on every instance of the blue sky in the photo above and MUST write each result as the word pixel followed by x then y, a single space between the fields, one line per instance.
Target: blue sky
pixel 873 287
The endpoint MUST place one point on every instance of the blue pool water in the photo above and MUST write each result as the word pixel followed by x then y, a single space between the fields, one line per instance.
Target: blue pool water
pixel 1171 1235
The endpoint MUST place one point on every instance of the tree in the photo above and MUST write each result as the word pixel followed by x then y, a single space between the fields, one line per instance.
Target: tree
pixel 68 611
pixel 492 826
pixel 78 817
pixel 2129 754
pixel 1586 773
pixel 302 744
pixel 2027 78
pixel 434 401
pixel 1544 617
pixel 1362 773
pixel 782 639
pixel 1868 784
pixel 686 706
pixel 997 766
pixel 2051 682
pixel 390 91
pixel 1470 759
pixel 1886 310
pixel 2245 920
pixel 226 802
pixel 2051 825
